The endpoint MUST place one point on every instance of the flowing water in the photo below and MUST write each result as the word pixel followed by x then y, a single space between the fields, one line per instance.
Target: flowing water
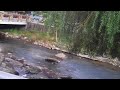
pixel 78 68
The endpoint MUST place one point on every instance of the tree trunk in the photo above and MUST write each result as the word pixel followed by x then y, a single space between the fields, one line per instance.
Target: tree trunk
pixel 56 36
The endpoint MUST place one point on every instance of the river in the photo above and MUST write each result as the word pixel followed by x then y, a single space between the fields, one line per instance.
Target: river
pixel 76 67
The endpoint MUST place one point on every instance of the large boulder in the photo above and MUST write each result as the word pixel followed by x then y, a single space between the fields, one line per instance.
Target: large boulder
pixel 61 56
pixel 7 69
pixel 11 62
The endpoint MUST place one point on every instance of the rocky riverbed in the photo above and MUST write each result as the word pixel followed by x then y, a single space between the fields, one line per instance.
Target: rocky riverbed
pixel 19 66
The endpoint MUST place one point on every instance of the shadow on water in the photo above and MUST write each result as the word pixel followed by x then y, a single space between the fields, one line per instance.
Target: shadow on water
pixel 73 66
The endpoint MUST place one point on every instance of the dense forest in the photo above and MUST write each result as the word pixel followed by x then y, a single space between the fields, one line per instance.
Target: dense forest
pixel 87 32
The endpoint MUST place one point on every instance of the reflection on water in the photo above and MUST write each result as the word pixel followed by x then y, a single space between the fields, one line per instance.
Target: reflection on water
pixel 72 66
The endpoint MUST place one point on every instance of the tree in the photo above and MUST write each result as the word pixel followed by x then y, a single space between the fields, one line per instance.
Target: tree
pixel 91 32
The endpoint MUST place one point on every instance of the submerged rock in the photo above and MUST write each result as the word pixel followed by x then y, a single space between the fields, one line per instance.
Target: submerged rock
pixel 52 60
pixel 16 73
pixel 13 62
pixel 65 77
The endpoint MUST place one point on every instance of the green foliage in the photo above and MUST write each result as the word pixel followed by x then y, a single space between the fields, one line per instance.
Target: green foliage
pixel 106 26
pixel 32 34
pixel 88 32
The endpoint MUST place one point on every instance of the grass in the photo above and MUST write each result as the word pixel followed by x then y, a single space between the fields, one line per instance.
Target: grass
pixel 36 35
pixel 32 35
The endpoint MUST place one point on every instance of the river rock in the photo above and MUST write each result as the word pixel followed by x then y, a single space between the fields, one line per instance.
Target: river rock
pixel 25 38
pixel 39 67
pixel 17 37
pixel 65 77
pixel 13 62
pixel 37 76
pixel 1 58
pixel 22 60
pixel 8 59
pixel 2 35
pixel 0 50
pixel 16 73
pixel 61 56
pixel 10 55
pixel 52 60
pixel 8 70
pixel 32 69
pixel 36 43
pixel 3 65
pixel 25 75
pixel 49 73
pixel 6 33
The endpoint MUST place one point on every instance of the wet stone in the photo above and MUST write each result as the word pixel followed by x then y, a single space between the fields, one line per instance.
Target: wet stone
pixel 3 65
pixel 13 62
pixel 52 60
pixel 50 74
pixel 32 70
pixel 1 58
pixel 22 60
pixel 16 73
pixel 8 70
pixel 65 77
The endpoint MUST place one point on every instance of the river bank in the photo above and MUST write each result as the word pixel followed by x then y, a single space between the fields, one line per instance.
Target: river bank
pixel 52 45
pixel 72 66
